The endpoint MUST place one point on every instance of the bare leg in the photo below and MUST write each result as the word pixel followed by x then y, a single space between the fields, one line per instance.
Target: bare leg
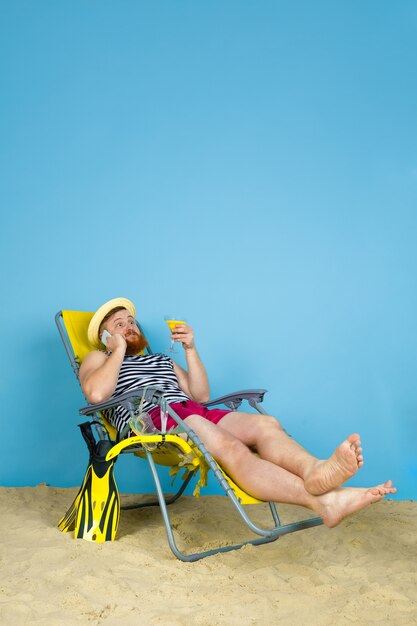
pixel 269 482
pixel 265 434
pixel 257 476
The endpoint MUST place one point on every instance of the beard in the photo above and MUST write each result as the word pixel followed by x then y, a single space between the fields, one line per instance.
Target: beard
pixel 135 343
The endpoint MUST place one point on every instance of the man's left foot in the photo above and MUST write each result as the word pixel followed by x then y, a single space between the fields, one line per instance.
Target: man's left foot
pixel 335 506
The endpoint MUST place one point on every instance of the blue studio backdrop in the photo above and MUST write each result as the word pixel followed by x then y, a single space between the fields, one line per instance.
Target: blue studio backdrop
pixel 252 165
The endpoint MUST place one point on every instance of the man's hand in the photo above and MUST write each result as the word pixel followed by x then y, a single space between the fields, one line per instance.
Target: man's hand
pixel 184 334
pixel 116 343
pixel 193 380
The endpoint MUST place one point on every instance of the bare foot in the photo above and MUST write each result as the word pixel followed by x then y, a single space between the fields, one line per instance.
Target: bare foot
pixel 333 507
pixel 342 465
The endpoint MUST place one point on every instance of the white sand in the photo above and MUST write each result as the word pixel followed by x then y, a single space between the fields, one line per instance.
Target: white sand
pixel 362 572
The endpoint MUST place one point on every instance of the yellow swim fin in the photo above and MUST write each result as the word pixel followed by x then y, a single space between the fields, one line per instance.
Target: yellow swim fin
pixel 95 512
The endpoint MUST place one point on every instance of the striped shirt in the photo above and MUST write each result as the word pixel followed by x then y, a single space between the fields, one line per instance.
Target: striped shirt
pixel 144 370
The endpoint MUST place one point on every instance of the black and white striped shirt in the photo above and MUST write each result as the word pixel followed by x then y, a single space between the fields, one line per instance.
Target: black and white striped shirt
pixel 144 370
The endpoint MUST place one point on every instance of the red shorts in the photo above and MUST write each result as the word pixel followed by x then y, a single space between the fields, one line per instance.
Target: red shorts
pixel 185 409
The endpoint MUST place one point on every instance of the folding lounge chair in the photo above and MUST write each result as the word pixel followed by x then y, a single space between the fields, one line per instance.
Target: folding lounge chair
pixel 94 514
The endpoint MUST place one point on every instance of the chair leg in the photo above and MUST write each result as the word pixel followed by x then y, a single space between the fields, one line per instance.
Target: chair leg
pixel 267 535
pixel 170 500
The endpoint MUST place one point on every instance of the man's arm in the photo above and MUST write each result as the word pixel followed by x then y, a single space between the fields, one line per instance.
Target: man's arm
pixel 194 381
pixel 99 372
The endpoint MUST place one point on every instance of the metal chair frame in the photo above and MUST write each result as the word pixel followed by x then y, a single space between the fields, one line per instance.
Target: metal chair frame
pixel 138 444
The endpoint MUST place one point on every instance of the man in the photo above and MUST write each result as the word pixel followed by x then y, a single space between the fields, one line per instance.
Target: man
pixel 281 471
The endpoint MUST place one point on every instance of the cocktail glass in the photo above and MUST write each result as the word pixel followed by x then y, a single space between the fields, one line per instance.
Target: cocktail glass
pixel 173 321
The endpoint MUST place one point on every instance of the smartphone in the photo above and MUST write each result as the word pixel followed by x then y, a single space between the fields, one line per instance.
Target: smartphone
pixel 104 337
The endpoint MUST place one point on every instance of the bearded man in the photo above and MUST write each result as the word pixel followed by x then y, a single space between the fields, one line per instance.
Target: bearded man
pixel 253 449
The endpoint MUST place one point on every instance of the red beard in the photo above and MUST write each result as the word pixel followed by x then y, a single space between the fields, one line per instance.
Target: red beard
pixel 135 343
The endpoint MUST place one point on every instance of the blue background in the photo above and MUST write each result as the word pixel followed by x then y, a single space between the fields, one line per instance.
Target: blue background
pixel 252 164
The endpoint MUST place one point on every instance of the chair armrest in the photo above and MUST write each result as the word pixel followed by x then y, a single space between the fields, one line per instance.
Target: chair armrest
pixel 127 400
pixel 153 394
pixel 235 399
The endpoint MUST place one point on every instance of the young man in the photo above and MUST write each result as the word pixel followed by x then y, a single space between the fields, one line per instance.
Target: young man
pixel 281 471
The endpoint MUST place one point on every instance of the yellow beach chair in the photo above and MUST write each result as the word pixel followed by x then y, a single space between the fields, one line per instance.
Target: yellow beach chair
pixel 94 514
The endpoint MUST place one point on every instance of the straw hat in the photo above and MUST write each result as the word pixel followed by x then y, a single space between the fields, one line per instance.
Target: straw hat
pixel 101 313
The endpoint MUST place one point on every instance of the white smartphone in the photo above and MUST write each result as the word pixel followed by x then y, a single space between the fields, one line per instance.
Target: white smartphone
pixel 104 337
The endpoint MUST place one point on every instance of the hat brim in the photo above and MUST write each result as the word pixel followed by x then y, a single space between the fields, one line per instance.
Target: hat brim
pixel 100 314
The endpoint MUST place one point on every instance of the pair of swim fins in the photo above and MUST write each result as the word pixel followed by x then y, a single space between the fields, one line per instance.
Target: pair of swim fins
pixel 95 512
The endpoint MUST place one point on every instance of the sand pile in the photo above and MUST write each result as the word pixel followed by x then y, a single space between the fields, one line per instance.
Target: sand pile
pixel 362 572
